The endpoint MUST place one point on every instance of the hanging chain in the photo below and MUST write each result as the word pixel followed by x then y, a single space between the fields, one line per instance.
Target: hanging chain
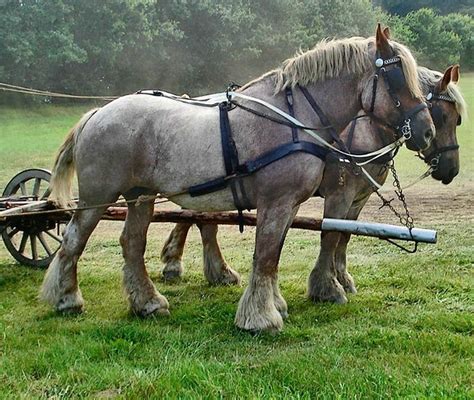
pixel 407 219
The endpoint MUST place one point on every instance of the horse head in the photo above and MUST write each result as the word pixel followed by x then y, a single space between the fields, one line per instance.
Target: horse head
pixel 447 106
pixel 391 92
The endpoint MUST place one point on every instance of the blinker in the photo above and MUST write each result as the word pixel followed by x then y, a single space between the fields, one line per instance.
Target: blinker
pixel 438 118
pixel 396 78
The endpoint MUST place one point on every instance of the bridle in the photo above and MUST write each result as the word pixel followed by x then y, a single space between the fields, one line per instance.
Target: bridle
pixel 438 118
pixel 394 79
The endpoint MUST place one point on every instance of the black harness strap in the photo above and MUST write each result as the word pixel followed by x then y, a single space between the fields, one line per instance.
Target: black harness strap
pixel 250 167
pixel 231 162
pixel 438 151
pixel 323 118
pixel 283 151
pixel 229 150
pixel 291 111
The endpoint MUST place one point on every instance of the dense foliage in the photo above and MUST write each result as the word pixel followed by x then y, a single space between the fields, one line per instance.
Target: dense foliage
pixel 118 46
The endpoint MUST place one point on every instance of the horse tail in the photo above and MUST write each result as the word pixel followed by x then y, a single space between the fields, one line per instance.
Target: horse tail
pixel 61 180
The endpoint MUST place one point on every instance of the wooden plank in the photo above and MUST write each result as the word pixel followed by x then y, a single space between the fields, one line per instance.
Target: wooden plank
pixel 14 209
pixel 219 218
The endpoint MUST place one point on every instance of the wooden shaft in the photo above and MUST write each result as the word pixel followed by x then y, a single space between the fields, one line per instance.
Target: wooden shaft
pixel 215 218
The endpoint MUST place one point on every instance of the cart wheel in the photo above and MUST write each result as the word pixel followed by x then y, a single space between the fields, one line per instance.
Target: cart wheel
pixel 32 240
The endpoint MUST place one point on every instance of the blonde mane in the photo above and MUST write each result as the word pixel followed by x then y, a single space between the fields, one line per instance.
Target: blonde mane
pixel 429 78
pixel 331 58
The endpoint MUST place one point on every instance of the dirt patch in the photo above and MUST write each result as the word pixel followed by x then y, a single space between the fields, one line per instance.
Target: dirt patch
pixel 427 202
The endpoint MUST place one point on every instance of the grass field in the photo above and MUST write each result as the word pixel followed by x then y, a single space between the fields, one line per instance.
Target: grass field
pixel 406 334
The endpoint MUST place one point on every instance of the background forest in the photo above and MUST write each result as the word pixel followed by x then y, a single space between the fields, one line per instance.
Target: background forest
pixel 198 46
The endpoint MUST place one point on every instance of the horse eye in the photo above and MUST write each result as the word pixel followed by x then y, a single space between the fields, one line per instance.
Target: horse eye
pixel 459 121
pixel 445 118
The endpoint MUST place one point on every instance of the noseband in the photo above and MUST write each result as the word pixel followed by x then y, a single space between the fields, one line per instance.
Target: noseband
pixel 395 80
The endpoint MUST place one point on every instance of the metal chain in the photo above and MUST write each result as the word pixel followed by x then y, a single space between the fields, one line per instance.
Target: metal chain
pixel 407 219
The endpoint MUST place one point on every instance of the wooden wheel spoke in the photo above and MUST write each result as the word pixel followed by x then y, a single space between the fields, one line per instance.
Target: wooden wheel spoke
pixel 13 232
pixel 44 243
pixel 24 240
pixel 54 236
pixel 36 187
pixel 34 247
pixel 23 188
pixel 46 194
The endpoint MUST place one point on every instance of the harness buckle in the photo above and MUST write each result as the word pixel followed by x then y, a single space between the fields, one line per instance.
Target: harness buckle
pixel 406 129
pixel 435 161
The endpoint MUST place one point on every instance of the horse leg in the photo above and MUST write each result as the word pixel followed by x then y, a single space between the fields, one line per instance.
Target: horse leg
pixel 60 287
pixel 216 270
pixel 257 310
pixel 323 284
pixel 172 252
pixel 280 302
pixel 343 276
pixel 143 297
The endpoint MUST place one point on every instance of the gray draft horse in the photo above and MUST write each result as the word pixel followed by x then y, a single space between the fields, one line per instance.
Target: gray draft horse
pixel 143 145
pixel 347 198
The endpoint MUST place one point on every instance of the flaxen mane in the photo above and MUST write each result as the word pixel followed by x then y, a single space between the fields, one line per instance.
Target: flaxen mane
pixel 430 78
pixel 331 58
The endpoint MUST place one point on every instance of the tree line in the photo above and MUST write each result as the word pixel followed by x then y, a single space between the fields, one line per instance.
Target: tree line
pixel 199 46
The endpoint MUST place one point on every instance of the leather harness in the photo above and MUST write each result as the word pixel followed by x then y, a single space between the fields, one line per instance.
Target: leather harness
pixel 235 170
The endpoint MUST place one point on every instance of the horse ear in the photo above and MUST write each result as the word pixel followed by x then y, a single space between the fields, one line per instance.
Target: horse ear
pixel 386 32
pixel 455 74
pixel 382 44
pixel 444 81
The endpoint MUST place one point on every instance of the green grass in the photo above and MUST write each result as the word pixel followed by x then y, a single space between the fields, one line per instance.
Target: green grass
pixel 406 334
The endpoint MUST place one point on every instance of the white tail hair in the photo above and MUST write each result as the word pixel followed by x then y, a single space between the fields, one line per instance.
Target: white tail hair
pixel 63 170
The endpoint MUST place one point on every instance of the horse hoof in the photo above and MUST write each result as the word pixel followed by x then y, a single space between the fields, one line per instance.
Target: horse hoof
pixel 227 278
pixel 155 307
pixel 331 292
pixel 70 310
pixel 172 275
pixel 256 318
pixel 336 298
pixel 350 288
pixel 347 283
pixel 72 303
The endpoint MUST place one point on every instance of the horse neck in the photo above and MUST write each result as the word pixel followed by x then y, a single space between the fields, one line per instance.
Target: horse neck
pixel 368 135
pixel 338 98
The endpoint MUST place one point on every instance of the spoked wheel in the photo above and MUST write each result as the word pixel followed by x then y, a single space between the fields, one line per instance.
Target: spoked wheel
pixel 32 240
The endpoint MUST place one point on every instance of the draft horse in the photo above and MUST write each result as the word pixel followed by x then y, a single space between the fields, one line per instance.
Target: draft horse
pixel 345 192
pixel 143 145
